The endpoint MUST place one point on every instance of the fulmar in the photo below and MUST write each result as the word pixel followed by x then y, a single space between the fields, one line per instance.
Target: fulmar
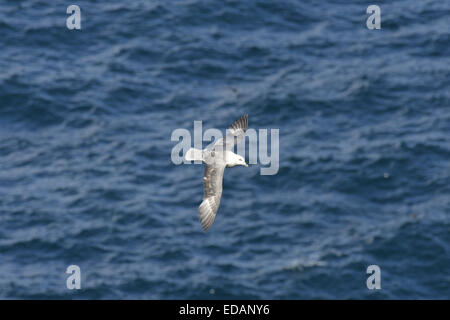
pixel 217 158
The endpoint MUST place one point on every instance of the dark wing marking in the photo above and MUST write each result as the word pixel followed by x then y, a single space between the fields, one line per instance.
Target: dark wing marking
pixel 235 134
pixel 212 183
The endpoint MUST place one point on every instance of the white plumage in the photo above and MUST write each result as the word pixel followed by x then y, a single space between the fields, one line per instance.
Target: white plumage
pixel 217 159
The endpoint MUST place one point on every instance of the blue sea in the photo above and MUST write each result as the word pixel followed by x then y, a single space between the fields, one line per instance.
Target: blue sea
pixel 86 176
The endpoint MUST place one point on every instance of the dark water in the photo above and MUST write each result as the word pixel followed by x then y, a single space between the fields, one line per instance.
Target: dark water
pixel 86 119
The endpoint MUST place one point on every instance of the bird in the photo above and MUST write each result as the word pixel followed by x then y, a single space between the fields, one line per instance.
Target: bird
pixel 216 159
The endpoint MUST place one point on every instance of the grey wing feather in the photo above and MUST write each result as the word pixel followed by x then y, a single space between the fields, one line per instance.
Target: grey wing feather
pixel 212 183
pixel 235 134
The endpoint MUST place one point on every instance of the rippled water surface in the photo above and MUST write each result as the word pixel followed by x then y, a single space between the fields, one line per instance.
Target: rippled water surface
pixel 85 140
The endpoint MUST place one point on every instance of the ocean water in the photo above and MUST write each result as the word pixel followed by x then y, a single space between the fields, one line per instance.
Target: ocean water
pixel 86 178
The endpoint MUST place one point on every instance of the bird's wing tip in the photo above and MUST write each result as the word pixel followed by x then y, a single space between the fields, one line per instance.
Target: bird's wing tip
pixel 207 213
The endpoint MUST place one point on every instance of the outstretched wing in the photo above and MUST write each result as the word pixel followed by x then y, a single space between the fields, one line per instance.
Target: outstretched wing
pixel 235 134
pixel 212 183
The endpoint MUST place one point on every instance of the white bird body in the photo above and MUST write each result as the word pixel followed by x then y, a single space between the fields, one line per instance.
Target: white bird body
pixel 231 159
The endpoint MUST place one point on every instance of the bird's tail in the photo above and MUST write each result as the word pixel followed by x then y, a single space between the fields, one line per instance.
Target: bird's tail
pixel 194 155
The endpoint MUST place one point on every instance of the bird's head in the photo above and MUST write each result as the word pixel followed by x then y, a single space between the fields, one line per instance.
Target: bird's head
pixel 240 161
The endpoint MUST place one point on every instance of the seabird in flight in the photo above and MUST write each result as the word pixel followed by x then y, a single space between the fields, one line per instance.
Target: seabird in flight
pixel 217 158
